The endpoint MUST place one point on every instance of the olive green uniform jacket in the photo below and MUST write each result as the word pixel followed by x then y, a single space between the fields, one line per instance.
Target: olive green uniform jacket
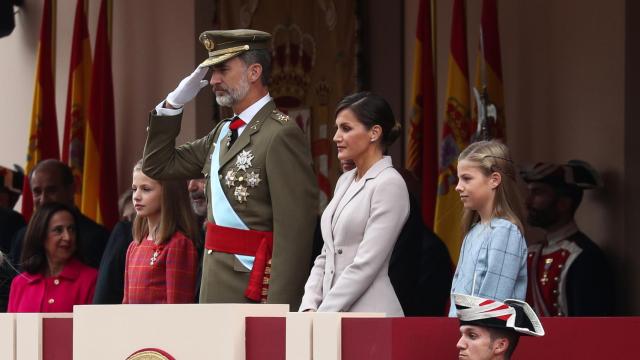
pixel 284 201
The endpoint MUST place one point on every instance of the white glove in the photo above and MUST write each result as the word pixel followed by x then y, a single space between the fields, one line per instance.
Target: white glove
pixel 188 88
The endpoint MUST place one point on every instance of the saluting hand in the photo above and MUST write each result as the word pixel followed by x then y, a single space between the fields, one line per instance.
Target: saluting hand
pixel 188 88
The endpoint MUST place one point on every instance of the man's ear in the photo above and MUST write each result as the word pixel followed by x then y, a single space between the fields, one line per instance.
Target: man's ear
pixel 495 179
pixel 255 72
pixel 500 346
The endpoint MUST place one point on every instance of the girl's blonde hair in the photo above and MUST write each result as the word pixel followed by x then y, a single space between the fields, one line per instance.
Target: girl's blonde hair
pixel 175 213
pixel 493 157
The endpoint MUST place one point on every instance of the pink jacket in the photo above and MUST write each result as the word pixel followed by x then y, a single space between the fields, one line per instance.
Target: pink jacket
pixel 35 293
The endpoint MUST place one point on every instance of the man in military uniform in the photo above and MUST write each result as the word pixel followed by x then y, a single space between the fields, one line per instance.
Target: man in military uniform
pixel 568 274
pixel 261 190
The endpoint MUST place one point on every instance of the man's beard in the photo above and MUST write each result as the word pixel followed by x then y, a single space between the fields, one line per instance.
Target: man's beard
pixel 542 218
pixel 233 95
pixel 198 209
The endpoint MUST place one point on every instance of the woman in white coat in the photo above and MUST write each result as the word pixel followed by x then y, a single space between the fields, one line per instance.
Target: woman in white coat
pixel 363 220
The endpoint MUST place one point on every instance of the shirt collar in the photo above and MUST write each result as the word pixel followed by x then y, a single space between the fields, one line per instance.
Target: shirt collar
pixel 562 233
pixel 248 113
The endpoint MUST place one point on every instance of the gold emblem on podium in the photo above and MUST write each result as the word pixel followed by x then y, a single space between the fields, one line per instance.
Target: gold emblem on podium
pixel 150 354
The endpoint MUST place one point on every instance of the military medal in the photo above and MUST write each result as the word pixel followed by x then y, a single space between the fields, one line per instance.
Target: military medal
pixel 242 177
pixel 545 274
pixel 253 179
pixel 228 138
pixel 243 161
pixel 241 193
pixel 230 178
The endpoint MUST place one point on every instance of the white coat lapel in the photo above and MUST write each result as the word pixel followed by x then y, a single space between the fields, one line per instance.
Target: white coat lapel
pixel 329 212
pixel 376 169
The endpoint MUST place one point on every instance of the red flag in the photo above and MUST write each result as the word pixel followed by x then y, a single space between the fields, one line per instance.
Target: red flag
pixel 77 111
pixel 100 196
pixel 43 133
pixel 456 134
pixel 422 158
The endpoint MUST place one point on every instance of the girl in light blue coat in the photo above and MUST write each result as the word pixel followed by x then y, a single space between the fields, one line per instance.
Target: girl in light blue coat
pixel 493 258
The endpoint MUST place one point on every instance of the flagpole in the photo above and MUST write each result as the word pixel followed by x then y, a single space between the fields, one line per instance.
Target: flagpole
pixel 54 11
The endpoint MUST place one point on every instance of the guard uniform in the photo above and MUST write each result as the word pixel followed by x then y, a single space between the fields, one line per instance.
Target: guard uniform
pixel 510 314
pixel 568 274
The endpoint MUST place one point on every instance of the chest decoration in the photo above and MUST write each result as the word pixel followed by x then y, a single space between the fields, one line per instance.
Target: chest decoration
pixel 157 250
pixel 227 139
pixel 154 257
pixel 242 177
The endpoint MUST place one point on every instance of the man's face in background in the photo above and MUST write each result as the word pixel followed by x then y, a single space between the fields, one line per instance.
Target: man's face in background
pixel 197 196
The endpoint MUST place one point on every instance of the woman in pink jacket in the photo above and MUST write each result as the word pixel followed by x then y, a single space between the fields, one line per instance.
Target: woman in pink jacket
pixel 54 279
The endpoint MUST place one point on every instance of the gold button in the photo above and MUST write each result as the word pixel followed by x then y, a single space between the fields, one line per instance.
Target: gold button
pixel 209 252
pixel 51 301
pixel 56 282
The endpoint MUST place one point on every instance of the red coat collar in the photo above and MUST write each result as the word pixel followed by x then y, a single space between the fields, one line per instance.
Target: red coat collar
pixel 70 271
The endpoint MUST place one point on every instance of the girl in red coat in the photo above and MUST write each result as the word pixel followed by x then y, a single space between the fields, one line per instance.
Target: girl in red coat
pixel 162 259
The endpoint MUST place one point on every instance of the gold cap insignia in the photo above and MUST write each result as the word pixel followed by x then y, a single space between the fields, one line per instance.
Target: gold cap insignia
pixel 208 44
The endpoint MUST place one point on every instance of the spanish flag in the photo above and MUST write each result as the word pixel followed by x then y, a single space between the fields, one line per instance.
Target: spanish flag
pixel 422 152
pixel 43 133
pixel 489 68
pixel 456 133
pixel 77 110
pixel 99 193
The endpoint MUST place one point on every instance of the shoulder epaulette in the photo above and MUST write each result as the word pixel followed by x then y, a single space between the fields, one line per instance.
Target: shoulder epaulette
pixel 280 117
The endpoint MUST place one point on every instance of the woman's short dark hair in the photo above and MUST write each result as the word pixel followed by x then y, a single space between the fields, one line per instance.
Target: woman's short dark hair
pixel 34 258
pixel 371 109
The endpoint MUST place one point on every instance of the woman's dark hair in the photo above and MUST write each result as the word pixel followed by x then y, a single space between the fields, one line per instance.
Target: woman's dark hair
pixel 34 257
pixel 372 109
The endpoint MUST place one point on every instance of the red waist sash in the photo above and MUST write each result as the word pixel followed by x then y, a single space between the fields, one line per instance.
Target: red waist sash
pixel 250 243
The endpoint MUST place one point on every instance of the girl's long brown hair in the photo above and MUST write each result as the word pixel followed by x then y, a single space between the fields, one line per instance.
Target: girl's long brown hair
pixel 490 157
pixel 175 213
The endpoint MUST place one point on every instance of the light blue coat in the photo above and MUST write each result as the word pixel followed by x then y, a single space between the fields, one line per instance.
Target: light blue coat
pixel 492 264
